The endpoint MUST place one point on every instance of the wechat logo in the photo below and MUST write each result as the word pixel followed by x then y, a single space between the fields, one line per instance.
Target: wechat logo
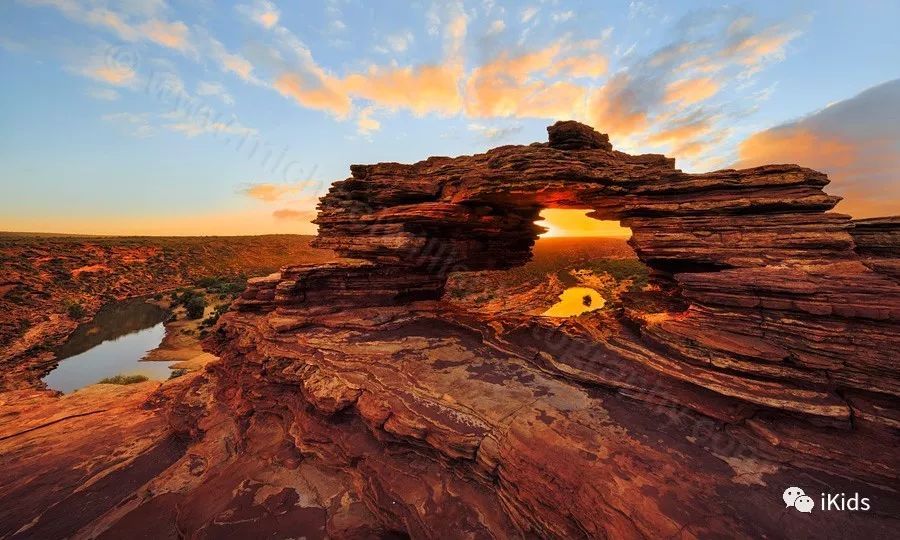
pixel 794 496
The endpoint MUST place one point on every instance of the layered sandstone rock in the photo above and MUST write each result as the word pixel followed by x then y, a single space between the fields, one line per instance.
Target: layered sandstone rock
pixel 878 243
pixel 352 401
pixel 763 265
pixel 762 357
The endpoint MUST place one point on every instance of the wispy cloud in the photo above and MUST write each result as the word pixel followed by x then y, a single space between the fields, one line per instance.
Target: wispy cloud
pixel 137 125
pixel 294 215
pixel 99 68
pixel 129 21
pixel 192 125
pixel 667 99
pixel 205 88
pixel 398 42
pixel 689 91
pixel 365 123
pixel 262 12
pixel 269 192
pixel 528 13
pixel 494 133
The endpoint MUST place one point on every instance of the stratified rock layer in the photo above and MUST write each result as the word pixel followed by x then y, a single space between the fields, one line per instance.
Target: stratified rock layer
pixel 782 313
pixel 764 354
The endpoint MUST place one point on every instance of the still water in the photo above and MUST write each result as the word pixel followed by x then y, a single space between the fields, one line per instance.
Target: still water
pixel 111 344
pixel 575 301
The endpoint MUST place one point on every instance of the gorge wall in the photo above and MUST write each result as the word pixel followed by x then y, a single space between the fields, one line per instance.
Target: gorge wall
pixel 762 356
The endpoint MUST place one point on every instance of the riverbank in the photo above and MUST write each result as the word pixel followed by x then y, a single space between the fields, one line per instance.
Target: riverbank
pixel 51 284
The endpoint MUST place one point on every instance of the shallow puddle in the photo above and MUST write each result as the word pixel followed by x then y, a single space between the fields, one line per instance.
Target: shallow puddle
pixel 113 343
pixel 575 301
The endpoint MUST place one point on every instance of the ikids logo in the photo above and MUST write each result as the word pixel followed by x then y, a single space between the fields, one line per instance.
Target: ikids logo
pixel 794 496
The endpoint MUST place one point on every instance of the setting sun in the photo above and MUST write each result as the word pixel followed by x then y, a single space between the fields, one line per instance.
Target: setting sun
pixel 571 223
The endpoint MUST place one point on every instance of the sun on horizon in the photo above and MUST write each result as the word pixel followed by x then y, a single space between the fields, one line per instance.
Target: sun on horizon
pixel 570 223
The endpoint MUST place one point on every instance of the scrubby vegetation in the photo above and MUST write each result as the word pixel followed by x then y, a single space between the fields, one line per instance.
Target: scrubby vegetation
pixel 222 284
pixel 123 379
pixel 38 270
pixel 195 307
pixel 75 310
pixel 559 257
pixel 622 269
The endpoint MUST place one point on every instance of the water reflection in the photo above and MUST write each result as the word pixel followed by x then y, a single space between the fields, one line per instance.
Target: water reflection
pixel 111 344
pixel 575 301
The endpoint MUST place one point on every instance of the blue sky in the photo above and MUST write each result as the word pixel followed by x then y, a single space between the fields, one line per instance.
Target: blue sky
pixel 204 118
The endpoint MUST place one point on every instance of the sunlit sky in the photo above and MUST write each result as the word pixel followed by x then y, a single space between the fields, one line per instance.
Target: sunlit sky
pixel 203 117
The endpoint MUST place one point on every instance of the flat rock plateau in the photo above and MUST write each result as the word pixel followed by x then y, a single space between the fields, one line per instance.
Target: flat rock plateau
pixel 410 387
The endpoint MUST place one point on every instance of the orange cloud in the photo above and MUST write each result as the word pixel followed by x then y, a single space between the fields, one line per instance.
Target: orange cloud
pixel 173 35
pixel 115 75
pixel 517 85
pixel 688 91
pixel 518 68
pixel 795 145
pixel 680 132
pixel 326 94
pixel 271 192
pixel 365 123
pixel 423 89
pixel 691 149
pixel 296 215
pixel 493 97
pixel 590 65
pixel 855 141
pixel 168 34
pixel 614 108
pixel 237 65
pixel 854 170
pixel 755 47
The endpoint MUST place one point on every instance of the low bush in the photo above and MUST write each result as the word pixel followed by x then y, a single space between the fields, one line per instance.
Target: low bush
pixel 195 307
pixel 75 310
pixel 123 379
pixel 222 284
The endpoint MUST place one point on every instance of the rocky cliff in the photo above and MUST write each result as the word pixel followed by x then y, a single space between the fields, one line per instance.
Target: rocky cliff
pixel 353 401
pixel 764 354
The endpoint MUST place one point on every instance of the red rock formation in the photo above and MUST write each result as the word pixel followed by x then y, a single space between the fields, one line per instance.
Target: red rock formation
pixel 878 243
pixel 767 352
pixel 351 401
pixel 778 299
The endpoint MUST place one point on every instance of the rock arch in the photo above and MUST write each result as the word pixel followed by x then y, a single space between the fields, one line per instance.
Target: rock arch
pixel 781 311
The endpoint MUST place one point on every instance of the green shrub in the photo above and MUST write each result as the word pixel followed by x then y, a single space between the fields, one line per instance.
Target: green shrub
pixel 207 282
pixel 195 307
pixel 123 379
pixel 75 310
pixel 185 297
pixel 222 284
